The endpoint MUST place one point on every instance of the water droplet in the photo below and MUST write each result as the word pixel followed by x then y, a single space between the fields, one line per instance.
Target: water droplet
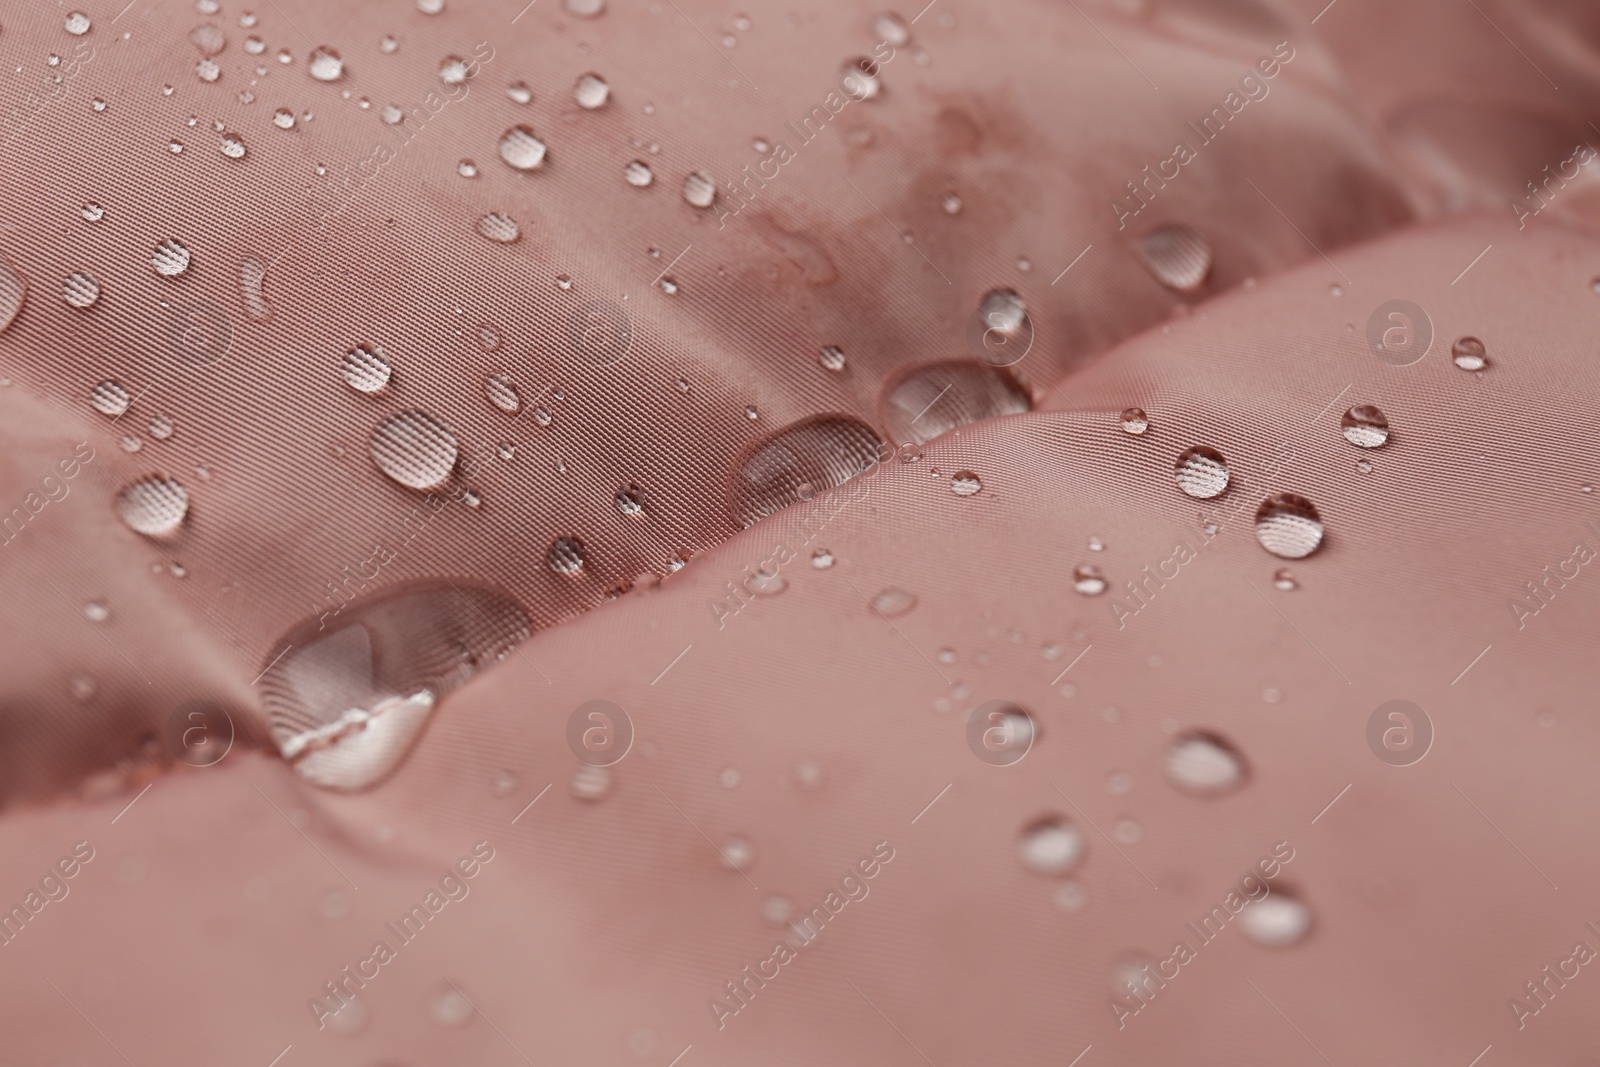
pixel 910 452
pixel 542 416
pixel 891 28
pixel 366 368
pixel 350 691
pixel 934 399
pixel 110 398
pixel 831 357
pixel 821 559
pixel 563 282
pixel 1135 421
pixel 591 91
pixel 1468 354
pixel 252 275
pixel 503 393
pixel 638 174
pixel 1050 845
pixel 521 149
pixel 430 7
pixel 82 687
pixel 859 78
pixel 130 443
pixel 208 38
pixel 91 213
pixel 96 611
pixel 629 500
pixel 232 146
pixel 965 483
pixel 823 451
pixel 448 1006
pixel 737 853
pixel 1288 526
pixel 80 290
pixel 519 93
pixel 254 45
pixel 699 190
pixel 1277 921
pixel 951 204
pixel 1365 426
pixel 892 602
pixel 392 115
pixel 77 24
pixel 388 44
pixel 467 168
pixel 1284 581
pixel 414 449
pixel 453 70
pixel 1088 580
pixel 1204 764
pixel 170 258
pixel 1177 255
pixel 590 783
pixel 1201 472
pixel 325 64
pixel 207 70
pixel 175 147
pixel 153 506
pixel 160 427
pixel 587 9
pixel 498 226
pixel 566 555
pixel 668 284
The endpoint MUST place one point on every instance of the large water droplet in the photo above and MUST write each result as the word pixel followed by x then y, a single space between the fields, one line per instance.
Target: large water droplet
pixel 1201 472
pixel 1288 526
pixel 965 483
pixel 699 190
pixel 1204 764
pixel 1050 846
pixel 503 393
pixel 414 449
pixel 1277 921
pixel 934 399
pixel 357 684
pixel 110 398
pixel 591 91
pixel 1177 255
pixel 366 368
pixel 80 290
pixel 521 149
pixel 1135 421
pixel 822 452
pixel 325 64
pixel 154 506
pixel 1365 426
pixel 170 258
pixel 1469 354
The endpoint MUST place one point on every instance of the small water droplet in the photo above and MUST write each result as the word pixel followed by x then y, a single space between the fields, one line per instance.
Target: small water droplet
pixel 1203 764
pixel 254 45
pixel 638 174
pixel 542 416
pixel 77 24
pixel 283 118
pixel 467 168
pixel 668 285
pixel 858 77
pixel 891 28
pixel 519 93
pixel 1288 526
pixel 1177 255
pixel 821 559
pixel 590 783
pixel 932 400
pixel 1050 845
pixel 430 7
pixel 1135 421
pixel 207 70
pixel 591 92
pixel 252 276
pixel 502 393
pixel 587 9
pixel 160 427
pixel 951 204
pixel 500 227
pixel 965 483
pixel 910 452
pixel 82 687
pixel 699 190
pixel 232 146
pixel 629 500
pixel 1088 580
pixel 1469 354
pixel 891 603
pixel 566 556
pixel 154 506
pixel 93 212
pixel 96 611
pixel 170 258
pixel 1365 426
pixel 453 70
pixel 521 149
pixel 1201 472
pixel 563 282
pixel 1284 581
pixel 388 44
pixel 737 853
pixel 448 1006
pixel 325 64
pixel 414 449
pixel 1276 921
pixel 831 357
pixel 80 289
pixel 366 368
pixel 110 398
